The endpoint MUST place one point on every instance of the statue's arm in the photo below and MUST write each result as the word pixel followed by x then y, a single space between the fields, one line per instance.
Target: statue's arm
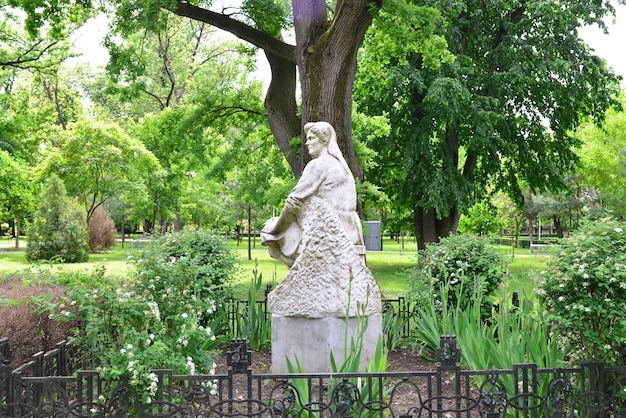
pixel 307 186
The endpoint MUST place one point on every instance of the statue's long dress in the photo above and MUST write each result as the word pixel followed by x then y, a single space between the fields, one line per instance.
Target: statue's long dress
pixel 328 275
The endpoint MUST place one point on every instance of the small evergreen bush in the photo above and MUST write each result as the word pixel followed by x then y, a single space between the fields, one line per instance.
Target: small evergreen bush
pixel 59 228
pixel 584 290
pixel 460 264
pixel 102 233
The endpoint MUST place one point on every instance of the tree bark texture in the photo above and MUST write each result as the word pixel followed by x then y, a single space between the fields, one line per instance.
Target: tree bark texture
pixel 428 228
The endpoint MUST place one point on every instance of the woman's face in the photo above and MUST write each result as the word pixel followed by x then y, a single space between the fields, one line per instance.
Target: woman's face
pixel 314 143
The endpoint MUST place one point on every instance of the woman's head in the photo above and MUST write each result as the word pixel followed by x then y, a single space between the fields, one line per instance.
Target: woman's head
pixel 323 130
pixel 325 134
pixel 318 136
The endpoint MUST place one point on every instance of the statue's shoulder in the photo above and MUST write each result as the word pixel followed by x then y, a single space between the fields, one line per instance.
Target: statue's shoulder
pixel 322 163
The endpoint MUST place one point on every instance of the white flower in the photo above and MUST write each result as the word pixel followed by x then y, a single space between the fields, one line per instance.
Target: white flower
pixel 184 315
pixel 618 230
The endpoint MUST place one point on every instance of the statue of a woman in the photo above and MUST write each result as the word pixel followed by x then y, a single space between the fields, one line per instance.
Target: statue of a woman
pixel 327 177
pixel 318 235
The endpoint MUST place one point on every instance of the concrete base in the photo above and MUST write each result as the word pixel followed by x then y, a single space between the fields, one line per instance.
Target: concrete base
pixel 312 340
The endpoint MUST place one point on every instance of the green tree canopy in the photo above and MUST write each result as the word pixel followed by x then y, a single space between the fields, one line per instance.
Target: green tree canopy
pixel 603 161
pixel 59 230
pixel 500 114
pixel 16 194
pixel 327 38
pixel 97 161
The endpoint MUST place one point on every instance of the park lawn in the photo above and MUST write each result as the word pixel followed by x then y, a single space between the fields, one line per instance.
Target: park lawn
pixel 13 261
pixel 389 267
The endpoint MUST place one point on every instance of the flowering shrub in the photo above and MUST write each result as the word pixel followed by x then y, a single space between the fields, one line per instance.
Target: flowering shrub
pixel 460 264
pixel 186 271
pixel 584 290
pixel 164 318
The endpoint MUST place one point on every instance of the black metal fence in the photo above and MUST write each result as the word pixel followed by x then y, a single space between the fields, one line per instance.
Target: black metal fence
pixel 400 309
pixel 51 385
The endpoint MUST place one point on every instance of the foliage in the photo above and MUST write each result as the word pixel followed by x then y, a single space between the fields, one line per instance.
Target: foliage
pixel 132 331
pixel 191 268
pixel 603 160
pixel 460 264
pixel 16 192
pixel 394 324
pixel 513 335
pixel 102 233
pixel 481 219
pixel 25 46
pixel 497 117
pixel 98 161
pixel 254 324
pixel 583 289
pixel 59 230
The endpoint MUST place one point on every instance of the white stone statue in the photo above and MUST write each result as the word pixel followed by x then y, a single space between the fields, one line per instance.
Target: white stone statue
pixel 318 235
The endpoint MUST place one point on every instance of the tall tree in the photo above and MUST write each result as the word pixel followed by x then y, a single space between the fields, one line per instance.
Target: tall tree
pixel 499 115
pixel 327 38
pixel 16 195
pixel 98 161
pixel 603 161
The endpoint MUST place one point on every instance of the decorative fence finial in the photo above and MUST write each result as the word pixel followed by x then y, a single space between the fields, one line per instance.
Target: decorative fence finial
pixel 448 354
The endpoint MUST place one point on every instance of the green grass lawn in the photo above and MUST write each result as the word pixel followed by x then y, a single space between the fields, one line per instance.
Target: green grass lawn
pixel 389 267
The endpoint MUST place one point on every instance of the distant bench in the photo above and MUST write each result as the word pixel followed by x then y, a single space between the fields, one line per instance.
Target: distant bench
pixel 539 248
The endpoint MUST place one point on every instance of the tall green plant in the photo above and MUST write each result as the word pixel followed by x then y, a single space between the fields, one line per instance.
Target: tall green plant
pixel 460 264
pixel 59 228
pixel 513 335
pixel 254 323
pixel 192 266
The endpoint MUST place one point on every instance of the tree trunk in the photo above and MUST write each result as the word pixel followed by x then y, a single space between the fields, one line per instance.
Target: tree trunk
pixel 18 223
pixel 558 227
pixel 429 229
pixel 326 57
pixel 530 230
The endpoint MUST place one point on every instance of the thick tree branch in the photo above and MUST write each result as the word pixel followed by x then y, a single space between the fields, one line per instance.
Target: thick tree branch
pixel 239 29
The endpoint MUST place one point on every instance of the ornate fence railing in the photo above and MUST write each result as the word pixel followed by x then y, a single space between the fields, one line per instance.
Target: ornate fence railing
pixel 51 385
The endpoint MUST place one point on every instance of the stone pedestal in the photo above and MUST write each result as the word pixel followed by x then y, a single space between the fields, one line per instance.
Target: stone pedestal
pixel 312 340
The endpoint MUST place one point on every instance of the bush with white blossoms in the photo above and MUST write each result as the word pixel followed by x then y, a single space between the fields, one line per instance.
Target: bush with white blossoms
pixel 456 266
pixel 584 290
pixel 165 318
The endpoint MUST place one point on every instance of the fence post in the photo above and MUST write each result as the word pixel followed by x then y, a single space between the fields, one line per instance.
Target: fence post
pixel 6 357
pixel 448 354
